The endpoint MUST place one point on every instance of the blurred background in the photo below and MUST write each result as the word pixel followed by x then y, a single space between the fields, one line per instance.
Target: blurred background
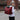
pixel 6 3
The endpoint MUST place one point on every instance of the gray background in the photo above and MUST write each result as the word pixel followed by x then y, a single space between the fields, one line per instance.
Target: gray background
pixel 4 16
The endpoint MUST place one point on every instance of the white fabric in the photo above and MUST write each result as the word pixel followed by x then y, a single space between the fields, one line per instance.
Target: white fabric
pixel 13 9
pixel 13 12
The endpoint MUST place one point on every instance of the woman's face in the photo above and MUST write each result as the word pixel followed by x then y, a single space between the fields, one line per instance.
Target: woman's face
pixel 12 4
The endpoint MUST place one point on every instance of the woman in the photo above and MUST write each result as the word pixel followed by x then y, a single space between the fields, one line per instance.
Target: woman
pixel 11 11
pixel 12 16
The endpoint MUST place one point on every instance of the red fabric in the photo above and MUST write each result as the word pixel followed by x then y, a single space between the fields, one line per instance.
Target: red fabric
pixel 8 10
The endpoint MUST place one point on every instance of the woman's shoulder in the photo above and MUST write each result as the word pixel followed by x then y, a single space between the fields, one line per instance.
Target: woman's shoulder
pixel 10 6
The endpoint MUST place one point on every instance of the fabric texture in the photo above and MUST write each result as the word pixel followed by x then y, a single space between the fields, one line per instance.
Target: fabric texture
pixel 8 10
pixel 13 12
pixel 11 18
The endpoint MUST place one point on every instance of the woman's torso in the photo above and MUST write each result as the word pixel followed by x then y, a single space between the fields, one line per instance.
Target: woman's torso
pixel 13 12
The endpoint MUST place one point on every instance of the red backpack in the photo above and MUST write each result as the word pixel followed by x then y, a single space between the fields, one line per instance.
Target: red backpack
pixel 8 10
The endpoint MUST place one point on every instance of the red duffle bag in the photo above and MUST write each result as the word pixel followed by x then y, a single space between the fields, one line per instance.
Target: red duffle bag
pixel 8 10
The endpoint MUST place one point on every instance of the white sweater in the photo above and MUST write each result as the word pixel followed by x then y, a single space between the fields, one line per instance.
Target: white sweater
pixel 13 12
